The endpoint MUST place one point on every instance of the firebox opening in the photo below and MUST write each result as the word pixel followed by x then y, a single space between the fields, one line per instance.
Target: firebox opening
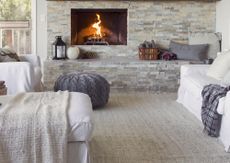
pixel 99 26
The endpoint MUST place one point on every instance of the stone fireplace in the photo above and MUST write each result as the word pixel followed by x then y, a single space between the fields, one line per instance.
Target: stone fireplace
pixel 98 26
pixel 161 21
pixel 113 29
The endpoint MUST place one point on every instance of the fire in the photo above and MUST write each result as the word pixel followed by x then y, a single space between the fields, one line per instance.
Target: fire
pixel 97 26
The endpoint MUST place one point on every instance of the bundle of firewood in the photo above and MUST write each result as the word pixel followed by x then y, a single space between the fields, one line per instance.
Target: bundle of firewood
pixel 3 89
pixel 148 44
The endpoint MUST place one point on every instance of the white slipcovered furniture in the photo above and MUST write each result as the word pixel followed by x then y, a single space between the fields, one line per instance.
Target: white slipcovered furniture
pixel 193 79
pixel 80 126
pixel 23 76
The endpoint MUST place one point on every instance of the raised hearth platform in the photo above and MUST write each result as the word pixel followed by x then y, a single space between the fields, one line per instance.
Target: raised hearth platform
pixel 123 73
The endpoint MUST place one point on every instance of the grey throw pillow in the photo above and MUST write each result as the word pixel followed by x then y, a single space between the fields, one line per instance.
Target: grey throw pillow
pixel 212 39
pixel 189 52
pixel 8 55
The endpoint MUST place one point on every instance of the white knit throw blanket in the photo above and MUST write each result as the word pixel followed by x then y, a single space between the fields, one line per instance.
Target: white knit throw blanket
pixel 33 128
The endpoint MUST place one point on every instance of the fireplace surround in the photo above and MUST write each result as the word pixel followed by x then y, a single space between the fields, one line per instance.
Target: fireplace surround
pixel 161 21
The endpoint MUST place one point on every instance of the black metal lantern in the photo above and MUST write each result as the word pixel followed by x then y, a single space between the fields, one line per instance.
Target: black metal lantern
pixel 59 48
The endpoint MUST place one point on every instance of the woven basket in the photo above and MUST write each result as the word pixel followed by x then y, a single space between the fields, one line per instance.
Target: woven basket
pixel 148 53
pixel 3 91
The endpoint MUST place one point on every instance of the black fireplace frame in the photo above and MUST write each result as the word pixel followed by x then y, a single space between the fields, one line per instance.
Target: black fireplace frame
pixel 119 14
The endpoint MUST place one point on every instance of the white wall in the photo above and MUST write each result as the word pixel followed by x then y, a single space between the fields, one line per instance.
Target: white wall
pixel 41 28
pixel 223 21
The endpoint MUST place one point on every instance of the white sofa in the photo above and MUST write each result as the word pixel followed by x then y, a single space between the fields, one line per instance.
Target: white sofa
pixel 193 79
pixel 23 76
pixel 80 126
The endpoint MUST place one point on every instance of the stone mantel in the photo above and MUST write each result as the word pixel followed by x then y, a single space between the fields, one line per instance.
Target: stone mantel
pixel 123 73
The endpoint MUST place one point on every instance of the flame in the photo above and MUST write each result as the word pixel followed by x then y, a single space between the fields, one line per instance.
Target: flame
pixel 97 26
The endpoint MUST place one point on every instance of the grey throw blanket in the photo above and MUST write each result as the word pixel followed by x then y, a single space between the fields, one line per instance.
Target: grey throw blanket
pixel 209 115
pixel 33 128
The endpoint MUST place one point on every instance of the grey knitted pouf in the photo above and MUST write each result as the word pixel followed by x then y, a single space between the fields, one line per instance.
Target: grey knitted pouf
pixel 91 84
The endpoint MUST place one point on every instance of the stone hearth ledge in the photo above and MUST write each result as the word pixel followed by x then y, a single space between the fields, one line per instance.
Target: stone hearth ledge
pixel 123 73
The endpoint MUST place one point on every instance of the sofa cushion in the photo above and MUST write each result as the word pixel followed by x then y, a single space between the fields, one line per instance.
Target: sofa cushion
pixel 189 52
pixel 226 78
pixel 196 81
pixel 220 66
pixel 193 68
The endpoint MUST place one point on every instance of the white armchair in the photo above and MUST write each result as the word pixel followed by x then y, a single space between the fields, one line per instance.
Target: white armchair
pixel 23 76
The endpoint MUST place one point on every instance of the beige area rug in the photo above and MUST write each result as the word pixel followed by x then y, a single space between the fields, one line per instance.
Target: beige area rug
pixel 151 128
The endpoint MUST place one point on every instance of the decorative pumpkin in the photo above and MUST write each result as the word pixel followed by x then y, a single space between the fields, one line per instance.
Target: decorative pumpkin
pixel 73 52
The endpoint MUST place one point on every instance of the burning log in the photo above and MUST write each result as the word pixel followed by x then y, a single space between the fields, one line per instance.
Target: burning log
pixel 98 38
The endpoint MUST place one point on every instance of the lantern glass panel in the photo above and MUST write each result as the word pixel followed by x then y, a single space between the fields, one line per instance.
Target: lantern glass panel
pixel 59 48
